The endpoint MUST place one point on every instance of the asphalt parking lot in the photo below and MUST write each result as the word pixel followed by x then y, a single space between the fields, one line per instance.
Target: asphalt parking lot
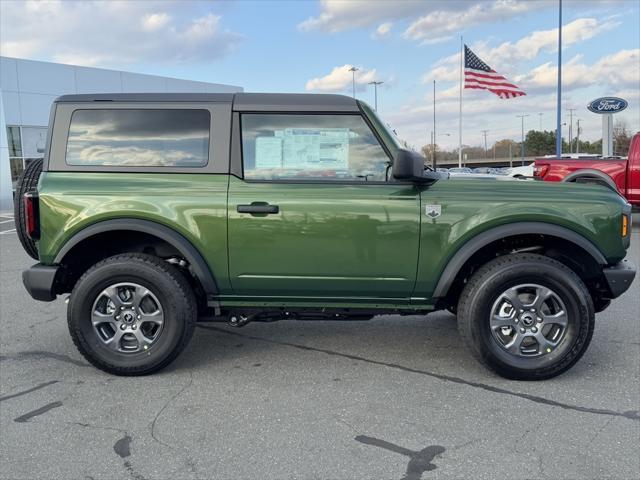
pixel 390 398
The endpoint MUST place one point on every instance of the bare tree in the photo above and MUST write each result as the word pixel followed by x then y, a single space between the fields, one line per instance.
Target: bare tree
pixel 621 138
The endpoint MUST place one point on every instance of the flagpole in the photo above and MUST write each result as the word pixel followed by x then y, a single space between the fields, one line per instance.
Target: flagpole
pixel 460 113
pixel 559 94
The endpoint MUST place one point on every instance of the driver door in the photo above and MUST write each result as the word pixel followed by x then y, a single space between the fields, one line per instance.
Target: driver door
pixel 314 216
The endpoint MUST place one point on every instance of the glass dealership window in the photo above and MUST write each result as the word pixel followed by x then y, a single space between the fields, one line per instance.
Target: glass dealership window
pixel 33 141
pixel 311 147
pixel 139 138
pixel 13 139
pixel 17 167
pixel 24 142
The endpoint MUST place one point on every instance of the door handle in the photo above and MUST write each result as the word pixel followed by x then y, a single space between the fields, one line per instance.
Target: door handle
pixel 257 208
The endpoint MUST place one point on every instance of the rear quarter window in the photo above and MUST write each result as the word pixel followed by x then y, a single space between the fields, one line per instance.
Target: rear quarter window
pixel 139 138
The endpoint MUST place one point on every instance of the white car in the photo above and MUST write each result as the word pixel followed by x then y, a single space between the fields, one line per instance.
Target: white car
pixel 525 171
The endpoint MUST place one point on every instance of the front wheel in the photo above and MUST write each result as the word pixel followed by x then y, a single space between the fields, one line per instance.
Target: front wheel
pixel 526 316
pixel 131 314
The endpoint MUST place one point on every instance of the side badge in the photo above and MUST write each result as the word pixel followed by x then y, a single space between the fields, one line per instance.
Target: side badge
pixel 433 211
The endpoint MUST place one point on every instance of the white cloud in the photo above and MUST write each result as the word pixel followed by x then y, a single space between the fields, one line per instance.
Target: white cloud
pixel 620 70
pixel 383 30
pixel 530 46
pixel 436 16
pixel 440 23
pixel 506 57
pixel 340 15
pixel 437 20
pixel 154 21
pixel 340 79
pixel 113 33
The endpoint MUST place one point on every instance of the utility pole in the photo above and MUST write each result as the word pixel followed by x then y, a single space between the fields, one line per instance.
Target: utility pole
pixel 485 143
pixel 375 89
pixel 540 116
pixel 353 70
pixel 522 144
pixel 578 138
pixel 571 110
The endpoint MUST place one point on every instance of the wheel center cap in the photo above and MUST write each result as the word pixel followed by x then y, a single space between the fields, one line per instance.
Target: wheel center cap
pixel 128 317
pixel 527 319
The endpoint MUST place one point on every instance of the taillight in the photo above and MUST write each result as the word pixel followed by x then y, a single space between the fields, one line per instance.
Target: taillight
pixel 31 214
pixel 540 171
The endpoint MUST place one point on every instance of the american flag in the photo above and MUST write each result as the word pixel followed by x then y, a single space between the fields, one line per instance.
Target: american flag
pixel 479 75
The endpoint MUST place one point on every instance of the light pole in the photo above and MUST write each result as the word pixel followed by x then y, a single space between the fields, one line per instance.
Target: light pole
pixel 433 164
pixel 571 110
pixel 559 86
pixel 434 124
pixel 485 143
pixel 375 90
pixel 522 144
pixel 578 138
pixel 353 70
pixel 540 116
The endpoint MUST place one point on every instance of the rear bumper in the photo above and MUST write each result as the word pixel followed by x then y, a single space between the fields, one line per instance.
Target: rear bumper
pixel 620 277
pixel 39 280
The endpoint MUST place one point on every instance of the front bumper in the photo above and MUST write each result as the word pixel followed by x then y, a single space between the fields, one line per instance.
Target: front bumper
pixel 620 277
pixel 39 280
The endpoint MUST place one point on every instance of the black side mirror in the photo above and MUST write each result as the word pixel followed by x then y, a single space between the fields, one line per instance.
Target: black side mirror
pixel 409 166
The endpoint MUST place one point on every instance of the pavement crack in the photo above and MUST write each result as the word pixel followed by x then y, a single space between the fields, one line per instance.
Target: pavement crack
pixel 29 390
pixel 100 427
pixel 344 422
pixel 38 411
pixel 164 407
pixel 600 430
pixel 630 414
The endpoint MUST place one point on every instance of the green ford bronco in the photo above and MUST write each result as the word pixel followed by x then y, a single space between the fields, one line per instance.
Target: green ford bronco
pixel 156 211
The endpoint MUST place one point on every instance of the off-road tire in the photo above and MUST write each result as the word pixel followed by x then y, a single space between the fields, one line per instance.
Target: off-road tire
pixel 164 281
pixel 28 182
pixel 484 287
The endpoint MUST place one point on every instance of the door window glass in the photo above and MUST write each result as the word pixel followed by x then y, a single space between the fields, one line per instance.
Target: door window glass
pixel 311 147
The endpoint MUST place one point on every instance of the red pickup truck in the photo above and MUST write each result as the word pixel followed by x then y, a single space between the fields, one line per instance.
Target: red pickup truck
pixel 622 174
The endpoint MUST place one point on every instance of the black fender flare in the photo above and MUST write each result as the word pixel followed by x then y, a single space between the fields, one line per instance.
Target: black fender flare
pixel 591 173
pixel 177 240
pixel 481 240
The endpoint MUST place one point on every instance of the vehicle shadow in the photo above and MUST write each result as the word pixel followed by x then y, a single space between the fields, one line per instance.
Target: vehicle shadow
pixel 416 340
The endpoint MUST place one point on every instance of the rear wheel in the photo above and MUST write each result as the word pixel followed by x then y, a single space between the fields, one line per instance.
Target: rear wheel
pixel 28 182
pixel 131 314
pixel 526 316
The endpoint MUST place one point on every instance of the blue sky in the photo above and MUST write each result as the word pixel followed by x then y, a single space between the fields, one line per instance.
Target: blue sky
pixel 289 46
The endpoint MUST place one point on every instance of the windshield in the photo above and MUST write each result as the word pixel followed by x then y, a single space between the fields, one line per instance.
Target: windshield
pixel 388 136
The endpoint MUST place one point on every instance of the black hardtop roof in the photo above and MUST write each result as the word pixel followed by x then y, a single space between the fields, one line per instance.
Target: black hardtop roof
pixel 242 102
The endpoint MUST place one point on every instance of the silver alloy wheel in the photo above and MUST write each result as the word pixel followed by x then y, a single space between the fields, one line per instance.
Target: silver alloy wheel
pixel 528 320
pixel 127 317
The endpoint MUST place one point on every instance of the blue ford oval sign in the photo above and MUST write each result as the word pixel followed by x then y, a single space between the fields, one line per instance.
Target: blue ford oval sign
pixel 607 105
